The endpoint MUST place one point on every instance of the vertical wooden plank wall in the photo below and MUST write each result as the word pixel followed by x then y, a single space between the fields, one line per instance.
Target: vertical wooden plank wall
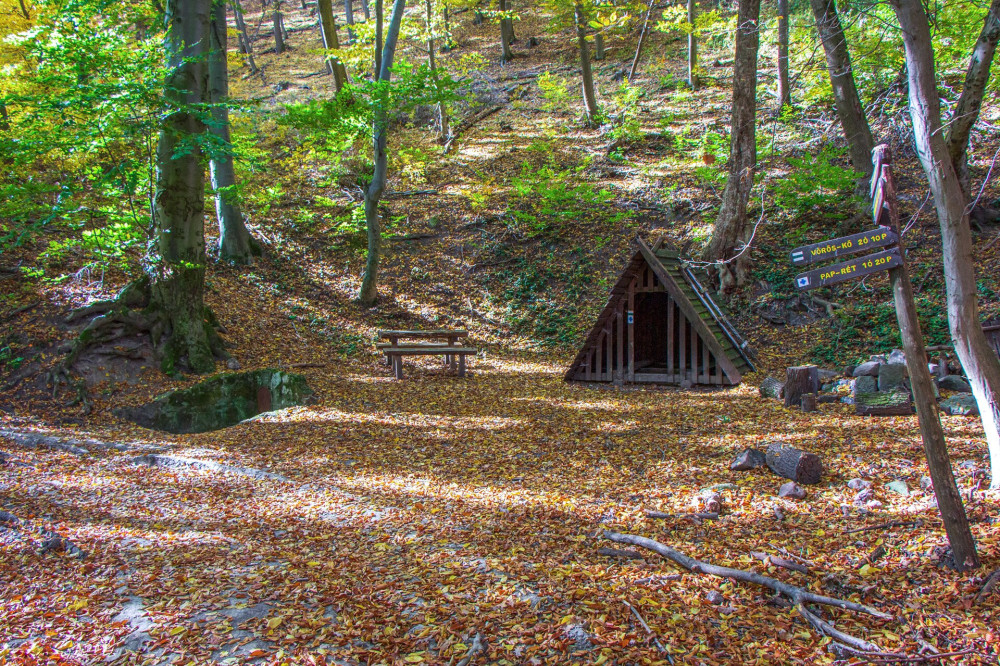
pixel 631 332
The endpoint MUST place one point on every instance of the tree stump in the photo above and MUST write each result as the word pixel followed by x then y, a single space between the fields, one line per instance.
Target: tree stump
pixel 772 388
pixel 800 380
pixel 808 402
pixel 795 464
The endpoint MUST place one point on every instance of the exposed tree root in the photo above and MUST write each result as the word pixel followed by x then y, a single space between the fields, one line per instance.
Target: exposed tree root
pixel 798 596
pixel 78 447
pixel 154 460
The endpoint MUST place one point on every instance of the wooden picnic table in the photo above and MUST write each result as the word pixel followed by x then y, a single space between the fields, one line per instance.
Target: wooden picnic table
pixel 440 341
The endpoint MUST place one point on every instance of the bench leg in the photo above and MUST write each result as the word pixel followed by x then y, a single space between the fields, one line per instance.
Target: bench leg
pixel 397 365
pixel 451 361
pixel 461 365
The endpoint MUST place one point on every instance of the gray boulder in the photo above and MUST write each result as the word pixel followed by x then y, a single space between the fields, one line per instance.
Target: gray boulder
pixel 859 484
pixel 898 486
pixel 954 383
pixel 864 384
pixel 960 404
pixel 891 376
pixel 897 356
pixel 827 375
pixel 867 369
pixel 792 490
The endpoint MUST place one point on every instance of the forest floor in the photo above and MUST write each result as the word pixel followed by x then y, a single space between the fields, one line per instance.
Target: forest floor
pixel 456 521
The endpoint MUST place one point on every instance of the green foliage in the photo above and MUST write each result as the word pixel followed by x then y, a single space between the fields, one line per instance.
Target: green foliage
pixel 549 195
pixel 626 104
pixel 815 181
pixel 555 91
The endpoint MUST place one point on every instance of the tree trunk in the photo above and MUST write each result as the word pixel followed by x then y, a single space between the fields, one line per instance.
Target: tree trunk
pixel 279 33
pixel 366 9
pixel 730 224
pixel 642 41
pixel 178 273
pixel 784 91
pixel 235 243
pixel 328 29
pixel 589 95
pixel 791 463
pixel 245 46
pixel 4 118
pixel 692 47
pixel 368 295
pixel 982 367
pixel 349 20
pixel 598 46
pixel 967 109
pixel 772 387
pixel 845 93
pixel 799 381
pixel 445 131
pixel 505 36
pixel 949 500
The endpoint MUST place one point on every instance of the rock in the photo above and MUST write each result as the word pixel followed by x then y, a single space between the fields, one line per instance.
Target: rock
pixel 953 383
pixel 859 484
pixel 864 384
pixel 873 505
pixel 897 356
pixel 895 403
pixel 714 597
pixel 926 483
pixel 878 358
pixel 749 459
pixel 220 401
pixel 709 501
pixel 792 490
pixel 579 636
pixel 232 363
pixel 899 487
pixel 849 370
pixel 961 404
pixel 827 375
pixel 866 495
pixel 891 377
pixel 867 369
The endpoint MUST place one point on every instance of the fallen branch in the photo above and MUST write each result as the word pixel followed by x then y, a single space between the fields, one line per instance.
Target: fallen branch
pixel 885 526
pixel 645 626
pixel 991 582
pixel 153 460
pixel 902 658
pixel 696 517
pixel 617 552
pixel 474 649
pixel 780 562
pixel 465 125
pixel 407 193
pixel 798 596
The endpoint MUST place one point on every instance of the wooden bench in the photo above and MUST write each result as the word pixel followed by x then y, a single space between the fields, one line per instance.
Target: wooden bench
pixel 444 342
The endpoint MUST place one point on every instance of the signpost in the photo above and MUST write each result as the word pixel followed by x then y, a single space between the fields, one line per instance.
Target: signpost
pixel 886 214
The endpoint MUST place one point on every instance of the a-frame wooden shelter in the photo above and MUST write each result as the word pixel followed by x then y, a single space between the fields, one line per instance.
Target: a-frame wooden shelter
pixel 661 326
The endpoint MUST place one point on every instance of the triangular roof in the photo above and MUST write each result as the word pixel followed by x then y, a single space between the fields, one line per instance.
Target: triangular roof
pixel 685 286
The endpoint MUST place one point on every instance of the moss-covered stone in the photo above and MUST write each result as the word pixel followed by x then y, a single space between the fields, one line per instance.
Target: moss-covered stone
pixel 221 401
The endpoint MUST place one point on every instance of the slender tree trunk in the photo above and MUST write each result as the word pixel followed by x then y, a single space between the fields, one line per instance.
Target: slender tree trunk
pixel 505 37
pixel 692 47
pixel 642 42
pixel 349 20
pixel 589 94
pixel 235 243
pixel 4 118
pixel 279 33
pixel 845 93
pixel 447 29
pixel 445 133
pixel 967 109
pixel 328 29
pixel 380 130
pixel 245 46
pixel 379 13
pixel 178 273
pixel 598 46
pixel 366 9
pixel 730 224
pixel 980 362
pixel 784 92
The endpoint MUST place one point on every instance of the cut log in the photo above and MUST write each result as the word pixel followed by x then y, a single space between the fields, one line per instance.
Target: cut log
pixel 795 464
pixel 772 388
pixel 809 401
pixel 749 459
pixel 894 403
pixel 800 380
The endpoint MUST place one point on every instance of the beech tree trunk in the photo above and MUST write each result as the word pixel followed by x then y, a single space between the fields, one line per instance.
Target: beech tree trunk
pixel 784 91
pixel 177 275
pixel 445 130
pixel 328 29
pixel 589 94
pixel 505 36
pixel 245 46
pixel 642 42
pixel 235 242
pixel 982 367
pixel 730 224
pixel 692 47
pixel 598 46
pixel 366 9
pixel 279 33
pixel 349 20
pixel 967 109
pixel 845 93
pixel 368 295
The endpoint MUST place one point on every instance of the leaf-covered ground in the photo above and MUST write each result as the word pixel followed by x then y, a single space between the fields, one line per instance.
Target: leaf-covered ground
pixel 436 518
